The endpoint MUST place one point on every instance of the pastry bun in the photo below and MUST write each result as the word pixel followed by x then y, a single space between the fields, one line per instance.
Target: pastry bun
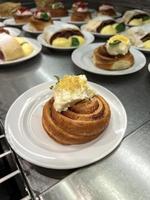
pixel 103 60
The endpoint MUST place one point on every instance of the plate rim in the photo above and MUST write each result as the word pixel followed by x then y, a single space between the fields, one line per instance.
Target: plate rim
pixel 9 24
pixel 105 73
pixel 70 166
pixel 79 23
pixel 20 60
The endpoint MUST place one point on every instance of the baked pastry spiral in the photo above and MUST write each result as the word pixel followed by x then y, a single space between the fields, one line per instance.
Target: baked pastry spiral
pixel 102 59
pixel 81 123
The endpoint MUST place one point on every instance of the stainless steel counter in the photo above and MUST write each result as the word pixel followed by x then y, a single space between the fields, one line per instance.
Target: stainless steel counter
pixel 120 172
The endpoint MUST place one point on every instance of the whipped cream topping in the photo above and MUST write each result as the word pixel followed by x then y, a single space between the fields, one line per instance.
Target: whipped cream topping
pixel 23 12
pixel 118 45
pixel 70 90
pixel 42 15
pixel 105 7
pixel 80 9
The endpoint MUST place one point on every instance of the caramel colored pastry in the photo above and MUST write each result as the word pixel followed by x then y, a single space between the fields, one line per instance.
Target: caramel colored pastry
pixel 7 9
pixel 76 115
pixel 114 55
pixel 136 17
pixel 22 15
pixel 81 13
pixel 57 9
pixel 40 20
pixel 107 10
pixel 12 48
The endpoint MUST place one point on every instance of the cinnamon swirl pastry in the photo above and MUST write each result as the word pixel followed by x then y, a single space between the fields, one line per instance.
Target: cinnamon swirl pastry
pixel 81 119
pixel 114 55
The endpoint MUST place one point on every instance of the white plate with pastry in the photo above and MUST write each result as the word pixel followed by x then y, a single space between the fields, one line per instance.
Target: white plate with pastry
pixel 28 138
pixel 82 57
pixel 10 30
pixel 12 22
pixel 17 49
pixel 1 24
pixel 64 37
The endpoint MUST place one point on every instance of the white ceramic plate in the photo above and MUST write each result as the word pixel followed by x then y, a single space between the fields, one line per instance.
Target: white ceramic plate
pixel 27 137
pixel 13 31
pixel 37 48
pixel 11 22
pixel 68 20
pixel 82 57
pixel 89 38
pixel 27 28
pixel 149 67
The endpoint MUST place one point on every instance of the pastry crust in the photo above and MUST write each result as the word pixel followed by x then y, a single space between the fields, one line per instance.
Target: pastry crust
pixel 22 19
pixel 59 12
pixel 39 24
pixel 81 123
pixel 110 62
pixel 108 12
pixel 80 16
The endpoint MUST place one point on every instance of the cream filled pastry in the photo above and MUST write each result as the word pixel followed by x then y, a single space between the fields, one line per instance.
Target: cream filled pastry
pixel 114 55
pixel 105 27
pixel 136 17
pixel 107 10
pixel 64 37
pixel 22 15
pixel 81 12
pixel 75 114
pixel 40 20
pixel 12 48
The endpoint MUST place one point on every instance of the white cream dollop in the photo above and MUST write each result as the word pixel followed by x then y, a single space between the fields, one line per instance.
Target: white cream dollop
pixel 70 90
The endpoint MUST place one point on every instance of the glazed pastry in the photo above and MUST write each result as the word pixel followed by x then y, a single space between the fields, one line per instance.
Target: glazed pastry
pixel 57 8
pixel 107 10
pixel 12 48
pixel 7 9
pixel 81 13
pixel 146 41
pixel 64 36
pixel 75 114
pixel 104 27
pixel 22 15
pixel 136 17
pixel 114 55
pixel 40 20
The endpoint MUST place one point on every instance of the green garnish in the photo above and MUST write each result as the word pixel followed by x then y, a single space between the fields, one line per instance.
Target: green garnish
pixel 23 43
pixel 146 18
pixel 74 42
pixel 120 27
pixel 45 16
pixel 114 43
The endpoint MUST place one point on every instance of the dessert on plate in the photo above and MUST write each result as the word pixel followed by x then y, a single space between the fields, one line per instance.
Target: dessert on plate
pixel 40 20
pixel 105 26
pixel 8 8
pixel 114 55
pixel 75 114
pixel 57 8
pixel 107 10
pixel 136 17
pixel 139 37
pixel 81 12
pixel 12 48
pixel 64 36
pixel 22 15
pixel 76 4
